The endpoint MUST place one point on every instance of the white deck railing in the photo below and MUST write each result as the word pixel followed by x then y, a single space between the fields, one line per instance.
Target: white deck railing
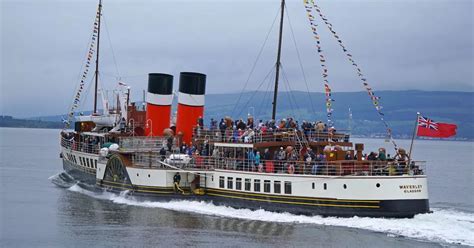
pixel 332 168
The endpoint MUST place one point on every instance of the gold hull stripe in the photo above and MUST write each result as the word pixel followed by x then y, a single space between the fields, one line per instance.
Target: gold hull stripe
pixel 139 190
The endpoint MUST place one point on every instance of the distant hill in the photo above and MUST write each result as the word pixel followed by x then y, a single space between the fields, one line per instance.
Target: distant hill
pixel 399 107
pixel 9 121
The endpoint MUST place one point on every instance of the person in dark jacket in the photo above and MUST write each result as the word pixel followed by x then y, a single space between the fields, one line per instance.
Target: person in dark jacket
pixel 163 153
pixel 176 180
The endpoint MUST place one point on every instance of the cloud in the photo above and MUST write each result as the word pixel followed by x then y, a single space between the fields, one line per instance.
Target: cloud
pixel 399 45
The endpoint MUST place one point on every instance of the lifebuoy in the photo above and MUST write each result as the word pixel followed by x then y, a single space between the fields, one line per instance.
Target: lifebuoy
pixel 291 169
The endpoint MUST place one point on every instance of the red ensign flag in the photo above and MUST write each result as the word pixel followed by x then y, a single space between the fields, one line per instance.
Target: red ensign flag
pixel 429 128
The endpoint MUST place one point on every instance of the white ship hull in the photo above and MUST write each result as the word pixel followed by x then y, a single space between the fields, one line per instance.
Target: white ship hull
pixel 384 196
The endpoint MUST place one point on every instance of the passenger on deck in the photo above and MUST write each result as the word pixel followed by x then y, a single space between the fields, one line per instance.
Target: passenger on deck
pixel 401 157
pixel 190 150
pixel 260 124
pixel 122 124
pixel 169 143
pixel 213 124
pixel 348 156
pixel 200 122
pixel 222 128
pixel 257 161
pixel 372 156
pixel 250 123
pixel 251 159
pixel 320 126
pixel 183 148
pixel 241 125
pixel 162 153
pixel 176 180
pixel 381 155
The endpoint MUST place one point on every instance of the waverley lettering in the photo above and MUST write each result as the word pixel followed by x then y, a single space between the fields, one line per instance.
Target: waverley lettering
pixel 411 188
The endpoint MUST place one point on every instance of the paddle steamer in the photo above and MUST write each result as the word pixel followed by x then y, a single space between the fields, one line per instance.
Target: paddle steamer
pixel 275 165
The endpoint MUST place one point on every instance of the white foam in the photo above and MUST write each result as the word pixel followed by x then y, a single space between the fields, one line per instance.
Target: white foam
pixel 443 225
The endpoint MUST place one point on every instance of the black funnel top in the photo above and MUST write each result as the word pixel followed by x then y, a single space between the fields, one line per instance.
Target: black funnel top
pixel 160 83
pixel 192 83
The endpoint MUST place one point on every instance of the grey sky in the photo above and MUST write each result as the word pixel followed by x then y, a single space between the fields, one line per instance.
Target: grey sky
pixel 398 44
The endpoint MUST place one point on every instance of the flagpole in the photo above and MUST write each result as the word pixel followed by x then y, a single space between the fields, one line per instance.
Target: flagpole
pixel 278 64
pixel 97 58
pixel 413 137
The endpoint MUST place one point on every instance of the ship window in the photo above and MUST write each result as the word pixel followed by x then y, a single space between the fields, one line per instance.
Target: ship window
pixel 325 186
pixel 95 163
pixel 74 158
pixel 212 178
pixel 378 185
pixel 87 162
pixel 313 185
pixel 277 187
pixel 266 186
pixel 148 175
pixel 287 187
pixel 230 183
pixel 80 161
pixel 256 185
pixel 221 182
pixel 344 186
pixel 247 184
pixel 238 183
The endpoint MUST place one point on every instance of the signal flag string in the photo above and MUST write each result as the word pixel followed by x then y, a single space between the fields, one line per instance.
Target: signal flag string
pixel 90 55
pixel 375 99
pixel 322 60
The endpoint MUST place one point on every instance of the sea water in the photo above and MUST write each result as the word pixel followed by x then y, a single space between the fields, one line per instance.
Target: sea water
pixel 42 206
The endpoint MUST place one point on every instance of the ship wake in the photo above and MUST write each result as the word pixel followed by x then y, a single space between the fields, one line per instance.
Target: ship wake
pixel 443 225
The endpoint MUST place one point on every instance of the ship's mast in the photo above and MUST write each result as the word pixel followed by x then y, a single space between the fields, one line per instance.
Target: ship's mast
pixel 277 76
pixel 97 58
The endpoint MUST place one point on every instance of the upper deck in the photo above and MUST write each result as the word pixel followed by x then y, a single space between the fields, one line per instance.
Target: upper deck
pixel 261 138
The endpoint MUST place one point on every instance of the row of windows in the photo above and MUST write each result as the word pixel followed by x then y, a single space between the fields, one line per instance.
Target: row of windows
pixel 86 162
pixel 256 185
pixel 266 185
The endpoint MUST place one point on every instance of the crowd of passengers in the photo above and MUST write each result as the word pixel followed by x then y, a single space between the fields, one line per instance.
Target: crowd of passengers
pixel 90 144
pixel 289 160
pixel 245 131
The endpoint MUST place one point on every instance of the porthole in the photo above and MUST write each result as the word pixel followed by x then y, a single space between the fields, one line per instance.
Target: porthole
pixel 325 186
pixel 137 174
pixel 344 186
pixel 378 185
pixel 148 175
pixel 313 185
